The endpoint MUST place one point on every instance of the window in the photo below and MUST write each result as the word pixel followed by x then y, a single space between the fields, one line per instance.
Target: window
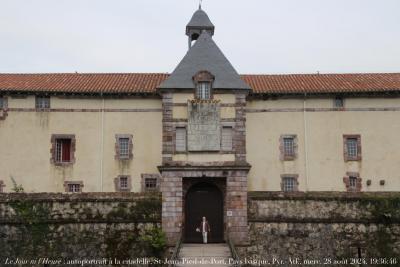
pixel 2 102
pixel 3 108
pixel 226 139
pixel 352 147
pixel 150 182
pixel 73 186
pixel 352 181
pixel 42 102
pixel 289 183
pixel 203 90
pixel 351 144
pixel 288 147
pixel 123 183
pixel 338 102
pixel 180 139
pixel 124 146
pixel 63 149
pixel 203 81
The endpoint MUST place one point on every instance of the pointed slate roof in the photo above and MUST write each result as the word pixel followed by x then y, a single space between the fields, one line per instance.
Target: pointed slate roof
pixel 200 19
pixel 204 55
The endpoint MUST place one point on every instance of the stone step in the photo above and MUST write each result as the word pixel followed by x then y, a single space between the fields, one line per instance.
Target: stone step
pixel 200 254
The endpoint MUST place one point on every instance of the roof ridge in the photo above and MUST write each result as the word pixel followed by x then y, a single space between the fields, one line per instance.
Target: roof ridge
pixel 321 74
pixel 166 73
pixel 85 73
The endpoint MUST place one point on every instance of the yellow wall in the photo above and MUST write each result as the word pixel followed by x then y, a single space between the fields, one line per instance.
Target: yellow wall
pixel 25 142
pixel 324 129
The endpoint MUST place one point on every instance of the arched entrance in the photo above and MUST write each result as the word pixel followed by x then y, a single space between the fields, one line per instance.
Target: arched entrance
pixel 204 199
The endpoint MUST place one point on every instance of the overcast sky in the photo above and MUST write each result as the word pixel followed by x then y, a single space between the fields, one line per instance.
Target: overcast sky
pixel 257 36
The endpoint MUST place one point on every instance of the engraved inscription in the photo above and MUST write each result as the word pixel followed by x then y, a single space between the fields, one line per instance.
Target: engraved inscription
pixel 204 128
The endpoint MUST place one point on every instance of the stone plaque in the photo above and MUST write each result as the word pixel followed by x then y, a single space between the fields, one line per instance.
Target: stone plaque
pixel 204 127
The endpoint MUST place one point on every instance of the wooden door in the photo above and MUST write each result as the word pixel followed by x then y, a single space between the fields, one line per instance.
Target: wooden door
pixel 204 199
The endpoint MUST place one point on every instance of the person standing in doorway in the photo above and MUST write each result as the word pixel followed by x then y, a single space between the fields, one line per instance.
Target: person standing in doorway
pixel 205 229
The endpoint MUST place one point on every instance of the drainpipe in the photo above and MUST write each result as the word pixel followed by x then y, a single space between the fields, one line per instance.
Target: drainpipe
pixel 102 142
pixel 305 139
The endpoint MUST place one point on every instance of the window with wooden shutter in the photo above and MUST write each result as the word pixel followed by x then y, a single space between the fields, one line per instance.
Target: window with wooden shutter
pixel 123 146
pixel 226 139
pixel 180 139
pixel 63 149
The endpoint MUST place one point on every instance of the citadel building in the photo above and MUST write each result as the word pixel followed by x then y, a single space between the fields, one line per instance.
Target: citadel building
pixel 203 135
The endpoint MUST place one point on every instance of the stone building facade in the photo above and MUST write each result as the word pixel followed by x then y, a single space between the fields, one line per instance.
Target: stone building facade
pixel 203 135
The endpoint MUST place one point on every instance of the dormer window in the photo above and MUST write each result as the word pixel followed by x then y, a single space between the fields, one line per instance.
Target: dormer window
pixel 203 90
pixel 203 81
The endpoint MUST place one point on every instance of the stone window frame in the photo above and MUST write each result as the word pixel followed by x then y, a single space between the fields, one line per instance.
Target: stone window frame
pixel 2 185
pixel 117 154
pixel 283 156
pixel 346 181
pixel 345 153
pixel 201 77
pixel 67 183
pixel 150 176
pixel 117 183
pixel 37 102
pixel 296 180
pixel 54 138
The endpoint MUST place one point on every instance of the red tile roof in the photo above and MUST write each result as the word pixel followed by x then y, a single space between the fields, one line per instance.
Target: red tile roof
pixel 323 83
pixel 148 82
pixel 82 83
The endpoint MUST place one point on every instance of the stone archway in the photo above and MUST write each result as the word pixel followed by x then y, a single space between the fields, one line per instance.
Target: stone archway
pixel 204 199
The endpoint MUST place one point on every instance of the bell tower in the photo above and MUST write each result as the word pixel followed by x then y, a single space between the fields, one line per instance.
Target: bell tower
pixel 200 22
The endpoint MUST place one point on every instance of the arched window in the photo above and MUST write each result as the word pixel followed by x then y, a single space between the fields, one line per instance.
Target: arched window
pixel 203 81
